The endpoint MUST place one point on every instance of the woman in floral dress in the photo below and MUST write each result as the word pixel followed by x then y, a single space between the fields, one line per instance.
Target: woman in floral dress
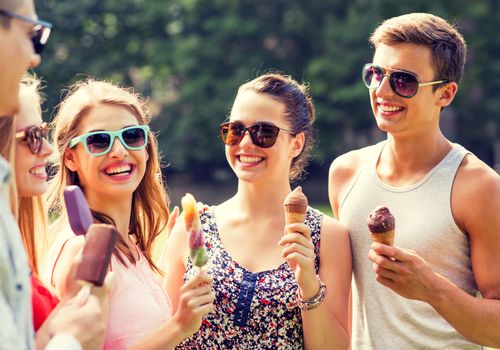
pixel 277 286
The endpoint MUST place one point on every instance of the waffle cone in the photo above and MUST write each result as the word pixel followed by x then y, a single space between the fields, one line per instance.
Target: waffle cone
pixel 295 205
pixel 294 217
pixel 383 237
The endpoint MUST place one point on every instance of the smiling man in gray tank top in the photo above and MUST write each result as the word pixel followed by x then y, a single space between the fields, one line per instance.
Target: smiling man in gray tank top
pixel 424 291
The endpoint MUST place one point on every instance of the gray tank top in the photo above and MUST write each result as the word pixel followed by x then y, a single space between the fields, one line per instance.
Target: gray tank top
pixel 424 223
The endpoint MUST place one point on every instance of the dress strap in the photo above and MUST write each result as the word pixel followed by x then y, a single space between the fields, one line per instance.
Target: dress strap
pixel 57 259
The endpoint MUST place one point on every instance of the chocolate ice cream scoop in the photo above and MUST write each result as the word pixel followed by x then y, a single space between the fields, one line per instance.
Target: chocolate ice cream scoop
pixel 380 220
pixel 295 206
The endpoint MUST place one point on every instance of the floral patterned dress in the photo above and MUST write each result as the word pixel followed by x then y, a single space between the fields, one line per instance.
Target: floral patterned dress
pixel 252 310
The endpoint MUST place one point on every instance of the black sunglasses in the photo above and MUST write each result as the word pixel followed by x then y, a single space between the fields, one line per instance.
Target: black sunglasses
pixel 40 32
pixel 404 84
pixel 263 134
pixel 34 136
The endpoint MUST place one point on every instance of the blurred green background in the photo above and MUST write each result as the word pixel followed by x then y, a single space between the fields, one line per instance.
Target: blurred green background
pixel 189 57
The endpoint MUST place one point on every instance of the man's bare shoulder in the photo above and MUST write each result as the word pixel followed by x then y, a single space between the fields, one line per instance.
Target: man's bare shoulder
pixel 476 193
pixel 342 172
pixel 476 175
pixel 347 164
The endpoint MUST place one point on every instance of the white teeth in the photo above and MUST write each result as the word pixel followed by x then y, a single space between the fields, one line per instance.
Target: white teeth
pixel 118 169
pixel 38 171
pixel 390 108
pixel 245 159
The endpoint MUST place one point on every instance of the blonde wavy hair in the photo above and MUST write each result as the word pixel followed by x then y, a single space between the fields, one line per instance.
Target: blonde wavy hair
pixel 30 212
pixel 150 201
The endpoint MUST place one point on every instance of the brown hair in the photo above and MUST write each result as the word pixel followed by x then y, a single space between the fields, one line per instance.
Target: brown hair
pixel 299 111
pixel 448 48
pixel 150 201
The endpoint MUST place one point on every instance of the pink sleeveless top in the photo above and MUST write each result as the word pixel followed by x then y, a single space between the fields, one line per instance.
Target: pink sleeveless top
pixel 138 304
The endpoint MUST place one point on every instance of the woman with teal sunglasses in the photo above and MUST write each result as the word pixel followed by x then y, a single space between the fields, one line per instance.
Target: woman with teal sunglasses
pixel 105 146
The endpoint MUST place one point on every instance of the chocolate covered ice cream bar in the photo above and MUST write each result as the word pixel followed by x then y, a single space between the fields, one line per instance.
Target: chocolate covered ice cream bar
pixel 99 246
pixel 77 208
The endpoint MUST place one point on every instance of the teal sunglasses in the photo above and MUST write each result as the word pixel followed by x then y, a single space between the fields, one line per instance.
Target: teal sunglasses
pixel 98 143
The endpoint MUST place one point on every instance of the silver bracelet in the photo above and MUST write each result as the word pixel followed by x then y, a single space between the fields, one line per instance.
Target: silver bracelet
pixel 315 301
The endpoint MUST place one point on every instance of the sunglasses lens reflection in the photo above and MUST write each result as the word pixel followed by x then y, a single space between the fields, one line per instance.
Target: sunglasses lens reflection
pixel 39 38
pixel 372 76
pixel 232 134
pixel 97 143
pixel 402 83
pixel 134 137
pixel 35 136
pixel 33 141
pixel 262 134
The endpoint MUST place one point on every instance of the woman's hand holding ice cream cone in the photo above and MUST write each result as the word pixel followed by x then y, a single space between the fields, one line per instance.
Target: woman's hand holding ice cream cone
pixel 298 249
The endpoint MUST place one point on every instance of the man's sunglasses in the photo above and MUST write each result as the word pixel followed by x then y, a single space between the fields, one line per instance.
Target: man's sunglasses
pixel 262 134
pixel 98 143
pixel 34 136
pixel 404 84
pixel 40 32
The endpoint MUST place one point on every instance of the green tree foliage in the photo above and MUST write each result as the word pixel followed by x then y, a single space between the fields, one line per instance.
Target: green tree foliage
pixel 190 56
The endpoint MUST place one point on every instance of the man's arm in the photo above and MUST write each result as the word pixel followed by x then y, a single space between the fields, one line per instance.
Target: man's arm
pixel 16 325
pixel 476 208
pixel 341 174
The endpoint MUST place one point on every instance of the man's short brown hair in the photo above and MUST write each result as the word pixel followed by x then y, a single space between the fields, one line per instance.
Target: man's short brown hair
pixel 448 48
